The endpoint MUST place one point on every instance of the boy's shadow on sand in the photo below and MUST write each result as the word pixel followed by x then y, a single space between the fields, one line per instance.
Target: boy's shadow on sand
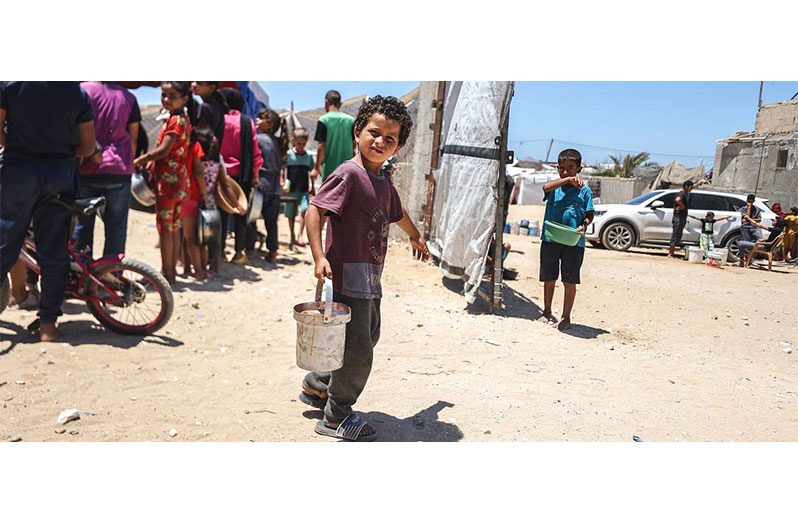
pixel 423 426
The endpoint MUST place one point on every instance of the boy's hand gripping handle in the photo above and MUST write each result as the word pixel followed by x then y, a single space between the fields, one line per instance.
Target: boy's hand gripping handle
pixel 327 286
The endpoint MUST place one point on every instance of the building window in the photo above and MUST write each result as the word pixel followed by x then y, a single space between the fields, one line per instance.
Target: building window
pixel 781 163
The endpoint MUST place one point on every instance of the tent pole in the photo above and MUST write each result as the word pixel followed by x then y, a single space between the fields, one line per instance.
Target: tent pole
pixel 435 158
pixel 498 249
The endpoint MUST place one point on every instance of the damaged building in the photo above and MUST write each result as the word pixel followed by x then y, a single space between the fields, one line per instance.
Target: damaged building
pixel 765 161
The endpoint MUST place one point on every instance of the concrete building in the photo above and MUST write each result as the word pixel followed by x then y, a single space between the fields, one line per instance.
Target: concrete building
pixel 765 161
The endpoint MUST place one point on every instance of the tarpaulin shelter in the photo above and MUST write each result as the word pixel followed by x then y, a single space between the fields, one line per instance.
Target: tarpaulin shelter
pixel 466 213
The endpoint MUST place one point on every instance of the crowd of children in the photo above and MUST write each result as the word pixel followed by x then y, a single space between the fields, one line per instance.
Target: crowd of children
pixel 203 148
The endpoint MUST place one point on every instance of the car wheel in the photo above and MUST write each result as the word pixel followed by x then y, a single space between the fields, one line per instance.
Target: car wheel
pixel 734 249
pixel 618 236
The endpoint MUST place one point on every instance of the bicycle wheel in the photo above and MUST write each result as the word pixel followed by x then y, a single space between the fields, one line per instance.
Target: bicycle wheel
pixel 5 293
pixel 142 301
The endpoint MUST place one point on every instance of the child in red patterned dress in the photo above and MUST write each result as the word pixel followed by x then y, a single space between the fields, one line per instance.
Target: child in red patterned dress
pixel 170 173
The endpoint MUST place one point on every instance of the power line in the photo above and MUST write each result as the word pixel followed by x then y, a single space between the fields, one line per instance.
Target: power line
pixel 613 149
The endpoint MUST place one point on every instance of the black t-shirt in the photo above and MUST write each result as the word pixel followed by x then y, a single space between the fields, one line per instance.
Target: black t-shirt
pixel 776 230
pixel 298 169
pixel 42 118
pixel 685 197
pixel 135 113
pixel 211 113
pixel 321 132
pixel 708 226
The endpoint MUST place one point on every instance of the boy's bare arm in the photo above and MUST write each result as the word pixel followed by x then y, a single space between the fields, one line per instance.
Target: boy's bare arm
pixel 313 221
pixel 87 139
pixel 319 160
pixel 159 153
pixel 420 250
pixel 133 132
pixel 571 180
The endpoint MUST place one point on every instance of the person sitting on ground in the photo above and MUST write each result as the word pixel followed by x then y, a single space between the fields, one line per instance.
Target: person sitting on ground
pixel 707 238
pixel 359 205
pixel 680 210
pixel 776 229
pixel 568 202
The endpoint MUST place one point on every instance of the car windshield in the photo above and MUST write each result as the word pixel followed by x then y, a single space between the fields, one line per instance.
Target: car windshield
pixel 643 197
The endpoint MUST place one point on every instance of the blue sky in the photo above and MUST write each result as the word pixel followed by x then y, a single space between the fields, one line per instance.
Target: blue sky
pixel 672 118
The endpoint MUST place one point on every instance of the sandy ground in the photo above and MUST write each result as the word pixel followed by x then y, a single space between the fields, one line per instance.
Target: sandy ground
pixel 663 349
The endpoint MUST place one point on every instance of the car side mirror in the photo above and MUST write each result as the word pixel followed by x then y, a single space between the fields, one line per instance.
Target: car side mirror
pixel 658 204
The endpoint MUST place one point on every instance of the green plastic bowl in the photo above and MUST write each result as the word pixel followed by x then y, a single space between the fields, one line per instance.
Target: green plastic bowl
pixel 559 233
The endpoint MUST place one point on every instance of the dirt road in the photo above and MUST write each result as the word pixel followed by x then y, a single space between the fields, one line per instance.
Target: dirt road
pixel 663 349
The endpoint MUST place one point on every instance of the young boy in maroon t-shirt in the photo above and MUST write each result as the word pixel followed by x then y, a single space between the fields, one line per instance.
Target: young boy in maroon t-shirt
pixel 360 205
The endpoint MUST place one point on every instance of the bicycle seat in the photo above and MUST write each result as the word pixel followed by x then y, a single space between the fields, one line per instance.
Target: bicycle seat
pixel 89 206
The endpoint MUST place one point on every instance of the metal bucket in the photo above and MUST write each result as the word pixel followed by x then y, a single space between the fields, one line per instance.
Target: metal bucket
pixel 255 205
pixel 209 226
pixel 321 331
pixel 141 190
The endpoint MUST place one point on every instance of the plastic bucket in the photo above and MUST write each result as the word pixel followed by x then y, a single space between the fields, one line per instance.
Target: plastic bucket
pixel 721 255
pixel 321 331
pixel 559 233
pixel 694 254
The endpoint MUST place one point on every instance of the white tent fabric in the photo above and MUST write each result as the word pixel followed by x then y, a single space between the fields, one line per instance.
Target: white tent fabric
pixel 531 183
pixel 464 211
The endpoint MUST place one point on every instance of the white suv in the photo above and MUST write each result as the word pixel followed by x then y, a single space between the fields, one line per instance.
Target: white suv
pixel 646 220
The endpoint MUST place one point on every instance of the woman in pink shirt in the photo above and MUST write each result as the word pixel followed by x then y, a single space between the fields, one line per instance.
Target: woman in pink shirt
pixel 242 161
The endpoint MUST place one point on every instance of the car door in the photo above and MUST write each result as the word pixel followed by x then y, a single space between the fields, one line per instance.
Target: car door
pixel 700 204
pixel 731 209
pixel 656 223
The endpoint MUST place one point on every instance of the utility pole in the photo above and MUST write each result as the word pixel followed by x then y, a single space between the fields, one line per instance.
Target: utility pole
pixel 761 87
pixel 551 142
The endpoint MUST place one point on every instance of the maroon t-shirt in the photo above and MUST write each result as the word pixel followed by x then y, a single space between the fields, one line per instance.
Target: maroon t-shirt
pixel 361 205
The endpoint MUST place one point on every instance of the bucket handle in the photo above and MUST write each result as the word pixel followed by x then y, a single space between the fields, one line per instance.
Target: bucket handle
pixel 327 286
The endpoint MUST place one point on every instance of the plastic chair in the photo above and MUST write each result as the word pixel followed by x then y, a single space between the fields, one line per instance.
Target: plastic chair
pixel 767 248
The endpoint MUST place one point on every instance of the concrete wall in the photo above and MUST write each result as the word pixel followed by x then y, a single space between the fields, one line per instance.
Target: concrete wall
pixel 619 190
pixel 737 165
pixel 779 118
pixel 409 178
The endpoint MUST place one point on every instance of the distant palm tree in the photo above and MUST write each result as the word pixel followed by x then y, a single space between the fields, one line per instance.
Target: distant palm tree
pixel 623 167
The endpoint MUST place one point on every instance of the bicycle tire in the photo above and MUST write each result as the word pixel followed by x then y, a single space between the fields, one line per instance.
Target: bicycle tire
pixel 153 277
pixel 5 293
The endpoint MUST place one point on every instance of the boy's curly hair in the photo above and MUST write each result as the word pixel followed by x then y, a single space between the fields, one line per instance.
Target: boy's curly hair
pixel 390 107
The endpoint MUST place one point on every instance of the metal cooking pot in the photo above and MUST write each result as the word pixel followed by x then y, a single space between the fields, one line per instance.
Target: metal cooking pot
pixel 141 190
pixel 209 226
pixel 255 205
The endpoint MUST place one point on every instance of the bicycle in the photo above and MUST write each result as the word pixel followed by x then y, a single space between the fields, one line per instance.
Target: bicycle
pixel 121 294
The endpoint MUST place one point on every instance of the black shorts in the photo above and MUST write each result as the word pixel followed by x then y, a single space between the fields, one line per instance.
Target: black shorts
pixel 555 255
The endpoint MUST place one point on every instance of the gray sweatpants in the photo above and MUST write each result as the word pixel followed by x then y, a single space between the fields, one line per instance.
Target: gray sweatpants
pixel 362 334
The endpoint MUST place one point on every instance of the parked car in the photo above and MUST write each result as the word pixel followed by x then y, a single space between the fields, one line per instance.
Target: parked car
pixel 646 220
